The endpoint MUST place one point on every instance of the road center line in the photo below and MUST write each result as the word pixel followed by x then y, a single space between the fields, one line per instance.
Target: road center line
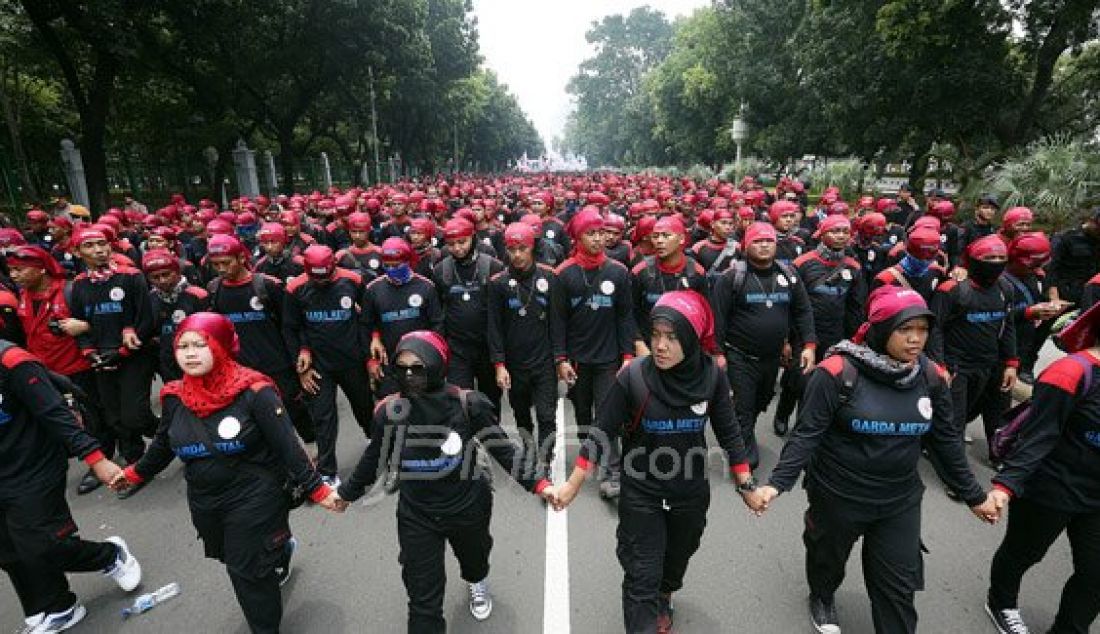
pixel 555 604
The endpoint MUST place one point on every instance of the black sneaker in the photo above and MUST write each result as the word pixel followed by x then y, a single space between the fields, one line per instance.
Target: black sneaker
pixel 781 426
pixel 1007 621
pixel 823 616
pixel 88 484
pixel 283 571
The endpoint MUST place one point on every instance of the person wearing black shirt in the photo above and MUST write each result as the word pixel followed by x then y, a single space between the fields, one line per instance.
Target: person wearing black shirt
pixel 1033 314
pixel 39 540
pixel 757 305
pixel 325 331
pixel 519 339
pixel 277 260
pixel 614 226
pixel 660 405
pixel 858 437
pixel 718 250
pixel 174 298
pixel 1052 477
pixel 593 328
pixel 428 431
pixel 362 257
pixel 982 224
pixel 114 300
pixel 461 279
pixel 227 425
pixel 668 269
pixel 917 269
pixel 1075 259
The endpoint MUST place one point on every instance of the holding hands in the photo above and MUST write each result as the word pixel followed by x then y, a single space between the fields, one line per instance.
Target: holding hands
pixel 991 509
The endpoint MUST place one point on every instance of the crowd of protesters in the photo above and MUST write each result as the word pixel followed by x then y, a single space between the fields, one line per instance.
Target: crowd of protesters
pixel 882 327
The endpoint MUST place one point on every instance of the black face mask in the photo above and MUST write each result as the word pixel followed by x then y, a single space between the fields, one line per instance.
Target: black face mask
pixel 412 380
pixel 985 273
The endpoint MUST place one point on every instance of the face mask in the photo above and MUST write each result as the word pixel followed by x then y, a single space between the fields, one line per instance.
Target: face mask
pixel 399 274
pixel 985 273
pixel 914 267
pixel 412 381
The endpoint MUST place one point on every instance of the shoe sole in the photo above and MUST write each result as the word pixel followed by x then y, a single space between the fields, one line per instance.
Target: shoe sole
pixel 483 617
pixel 289 566
pixel 824 629
pixel 989 612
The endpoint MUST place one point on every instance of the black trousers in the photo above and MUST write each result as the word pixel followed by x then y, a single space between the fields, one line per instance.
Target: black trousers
pixel 290 388
pixel 247 529
pixel 355 383
pixel 974 392
pixel 893 567
pixel 96 422
pixel 593 382
pixel 794 381
pixel 753 382
pixel 470 363
pixel 39 544
pixel 125 396
pixel 422 538
pixel 1032 528
pixel 656 539
pixel 537 387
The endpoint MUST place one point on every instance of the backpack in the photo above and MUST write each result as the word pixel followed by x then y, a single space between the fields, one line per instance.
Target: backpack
pixel 740 270
pixel 448 274
pixel 966 290
pixel 75 399
pixel 849 376
pixel 1005 438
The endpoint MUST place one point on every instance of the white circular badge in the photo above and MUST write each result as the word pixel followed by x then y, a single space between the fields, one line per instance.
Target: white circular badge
pixel 345 302
pixel 373 263
pixel 607 287
pixel 415 300
pixel 229 427
pixel 935 283
pixel 943 238
pixel 178 316
pixel 684 282
pixel 487 242
pixel 924 406
pixel 68 256
pixel 846 275
pixel 700 408
pixel 453 444
pixel 541 285
pixel 255 303
pixel 512 283
pixel 550 234
pixel 894 239
pixel 781 280
pixel 871 255
pixel 117 294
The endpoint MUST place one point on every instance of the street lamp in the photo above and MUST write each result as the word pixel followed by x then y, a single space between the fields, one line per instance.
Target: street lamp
pixel 739 131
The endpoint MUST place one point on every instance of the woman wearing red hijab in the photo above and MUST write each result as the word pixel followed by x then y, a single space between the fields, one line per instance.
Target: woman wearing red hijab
pixel 228 425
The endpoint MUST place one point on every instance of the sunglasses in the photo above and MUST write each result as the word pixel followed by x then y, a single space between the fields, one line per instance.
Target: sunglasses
pixel 411 370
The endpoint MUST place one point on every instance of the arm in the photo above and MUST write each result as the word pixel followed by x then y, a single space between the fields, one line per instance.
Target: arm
pixel 721 300
pixel 942 301
pixel 946 441
pixel 31 386
pixel 819 404
pixel 727 429
pixel 803 314
pixel 366 470
pixel 613 415
pixel 276 428
pixel 159 454
pixel 637 292
pixel 559 319
pixel 500 446
pixel 496 308
pixel 433 308
pixel 624 316
pixel 1007 351
pixel 854 314
pixel 293 337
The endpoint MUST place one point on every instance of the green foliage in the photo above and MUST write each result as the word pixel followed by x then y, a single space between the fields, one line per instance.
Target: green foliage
pixel 1058 177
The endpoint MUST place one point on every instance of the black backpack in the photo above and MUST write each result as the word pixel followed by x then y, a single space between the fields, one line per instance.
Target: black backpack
pixel 75 399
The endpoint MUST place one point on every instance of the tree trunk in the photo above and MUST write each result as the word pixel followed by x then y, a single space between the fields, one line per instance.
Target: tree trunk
pixel 286 158
pixel 918 168
pixel 11 119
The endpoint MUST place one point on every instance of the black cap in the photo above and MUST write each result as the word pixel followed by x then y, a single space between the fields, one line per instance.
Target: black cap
pixel 989 199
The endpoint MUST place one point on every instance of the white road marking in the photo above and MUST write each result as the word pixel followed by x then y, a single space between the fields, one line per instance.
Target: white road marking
pixel 555 603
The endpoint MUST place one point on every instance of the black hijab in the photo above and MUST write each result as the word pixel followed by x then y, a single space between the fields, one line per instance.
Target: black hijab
pixel 689 382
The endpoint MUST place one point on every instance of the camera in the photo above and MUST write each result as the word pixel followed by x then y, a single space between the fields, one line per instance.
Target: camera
pixel 55 327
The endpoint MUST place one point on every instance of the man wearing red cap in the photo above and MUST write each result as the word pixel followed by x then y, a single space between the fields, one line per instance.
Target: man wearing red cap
pixel 791 239
pixel 552 228
pixel 718 250
pixel 38 231
pixel 975 338
pixel 1032 314
pixel 276 260
pixel 254 303
pixel 114 300
pixel 917 270
pixel 592 327
pixel 668 269
pixel 519 338
pixel 174 298
pixel 461 279
pixel 758 304
pixel 361 256
pixel 324 329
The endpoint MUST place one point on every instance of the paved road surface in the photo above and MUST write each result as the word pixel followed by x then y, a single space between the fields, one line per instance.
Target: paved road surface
pixel 746 577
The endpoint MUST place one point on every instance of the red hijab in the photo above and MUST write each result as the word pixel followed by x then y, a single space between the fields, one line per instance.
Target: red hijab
pixel 219 387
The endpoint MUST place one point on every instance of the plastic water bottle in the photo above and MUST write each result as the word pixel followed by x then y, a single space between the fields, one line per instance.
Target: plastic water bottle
pixel 147 602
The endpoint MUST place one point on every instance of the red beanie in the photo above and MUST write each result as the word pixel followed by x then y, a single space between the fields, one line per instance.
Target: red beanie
pixel 159 260
pixel 588 219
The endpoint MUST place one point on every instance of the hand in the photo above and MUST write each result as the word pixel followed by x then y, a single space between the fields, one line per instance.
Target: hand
pixel 564 496
pixel 73 327
pixel 119 483
pixel 375 371
pixel 107 471
pixel 640 349
pixel 1008 380
pixel 625 363
pixel 310 380
pixel 566 372
pixel 1000 499
pixel 767 493
pixel 720 361
pixel 504 380
pixel 334 503
pixel 959 273
pixel 755 501
pixel 987 511
pixel 305 361
pixel 550 496
pixel 130 340
pixel 378 351
pixel 807 360
pixel 785 355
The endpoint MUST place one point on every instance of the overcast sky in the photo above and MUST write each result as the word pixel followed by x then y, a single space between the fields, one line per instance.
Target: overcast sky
pixel 535 46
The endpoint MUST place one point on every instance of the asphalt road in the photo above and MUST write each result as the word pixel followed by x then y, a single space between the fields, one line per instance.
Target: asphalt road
pixel 747 576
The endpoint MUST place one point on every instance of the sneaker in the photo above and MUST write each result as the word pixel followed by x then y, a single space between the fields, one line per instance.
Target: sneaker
pixel 823 616
pixel 283 572
pixel 126 571
pixel 88 483
pixel 43 623
pixel 332 480
pixel 609 489
pixel 481 602
pixel 967 438
pixel 1007 621
pixel 664 616
pixel 781 426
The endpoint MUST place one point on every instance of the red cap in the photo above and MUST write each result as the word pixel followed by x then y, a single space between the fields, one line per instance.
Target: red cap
pixel 614 222
pixel 586 220
pixel 211 326
pixel 37 215
pixel 519 234
pixel 432 339
pixel 872 224
pixel 272 232
pixel 319 261
pixel 83 235
pixel 923 243
pixel 759 231
pixel 986 246
pixel 359 221
pixel 159 260
pixel 423 226
pixel 35 256
pixel 1015 215
pixel 458 228
pixel 670 224
pixel 225 245
pixel 828 223
pixel 942 209
pixel 396 249
pixel 1030 249
pixel 781 207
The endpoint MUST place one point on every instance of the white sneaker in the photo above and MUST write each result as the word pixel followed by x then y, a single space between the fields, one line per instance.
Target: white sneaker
pixel 126 570
pixel 481 602
pixel 43 623
pixel 333 481
pixel 967 438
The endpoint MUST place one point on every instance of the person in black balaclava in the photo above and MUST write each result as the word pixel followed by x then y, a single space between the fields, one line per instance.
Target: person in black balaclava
pixel 660 406
pixel 428 429
pixel 975 338
pixel 866 408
